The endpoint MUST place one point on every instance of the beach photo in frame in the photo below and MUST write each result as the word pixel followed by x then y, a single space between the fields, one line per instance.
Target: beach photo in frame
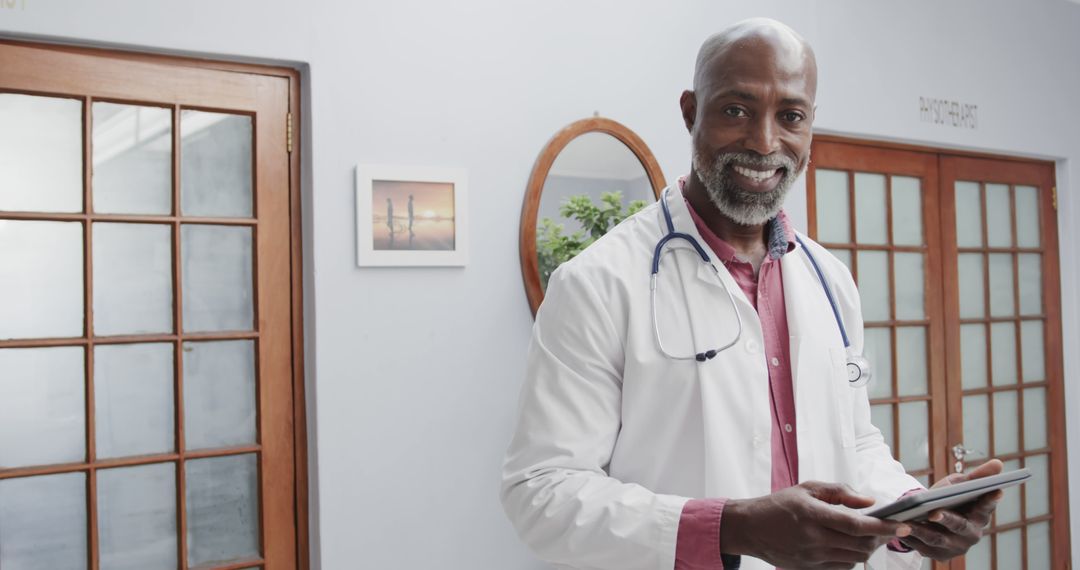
pixel 410 216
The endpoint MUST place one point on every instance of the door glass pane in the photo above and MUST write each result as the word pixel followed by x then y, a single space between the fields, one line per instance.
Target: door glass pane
pixel 215 164
pixel 219 393
pixel 914 436
pixel 1003 353
pixel 137 517
pixel 1035 418
pixel 977 423
pixel 132 279
pixel 1030 275
pixel 910 286
pixel 844 255
pixel 911 362
pixel 43 522
pixel 874 285
pixel 998 222
pixel 1027 216
pixel 870 210
pixel 41 287
pixel 907 210
pixel 41 154
pixel 881 417
pixel 978 556
pixel 878 350
pixel 968 215
pixel 223 509
pixel 132 159
pixel 1008 509
pixel 833 213
pixel 217 270
pixel 1031 347
pixel 1037 488
pixel 1038 537
pixel 133 399
pixel 1006 423
pixel 973 356
pixel 42 408
pixel 1009 551
pixel 1001 285
pixel 970 269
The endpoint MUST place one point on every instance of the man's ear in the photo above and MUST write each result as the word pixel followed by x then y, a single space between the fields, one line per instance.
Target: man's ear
pixel 688 103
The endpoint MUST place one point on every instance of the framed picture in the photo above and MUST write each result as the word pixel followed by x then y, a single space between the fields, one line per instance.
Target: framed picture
pixel 410 216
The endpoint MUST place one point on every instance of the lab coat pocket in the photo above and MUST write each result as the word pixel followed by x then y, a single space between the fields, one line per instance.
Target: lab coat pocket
pixel 843 396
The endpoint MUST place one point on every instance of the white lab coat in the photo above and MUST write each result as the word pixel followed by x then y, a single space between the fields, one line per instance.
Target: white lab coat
pixel 613 438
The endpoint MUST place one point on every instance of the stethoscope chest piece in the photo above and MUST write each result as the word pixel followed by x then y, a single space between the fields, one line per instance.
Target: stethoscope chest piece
pixel 859 372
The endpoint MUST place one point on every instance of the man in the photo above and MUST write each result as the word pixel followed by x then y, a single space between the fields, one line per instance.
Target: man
pixel 627 458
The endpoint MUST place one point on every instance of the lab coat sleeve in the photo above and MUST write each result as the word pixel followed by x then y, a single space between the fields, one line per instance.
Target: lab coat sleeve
pixel 879 474
pixel 555 486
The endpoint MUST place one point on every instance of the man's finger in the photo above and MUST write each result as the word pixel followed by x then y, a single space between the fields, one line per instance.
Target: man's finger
pixel 930 534
pixel 991 467
pixel 979 512
pixel 951 521
pixel 858 544
pixel 923 548
pixel 838 494
pixel 855 524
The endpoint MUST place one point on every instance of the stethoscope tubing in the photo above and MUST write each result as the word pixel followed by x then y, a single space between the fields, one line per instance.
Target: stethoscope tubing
pixel 658 253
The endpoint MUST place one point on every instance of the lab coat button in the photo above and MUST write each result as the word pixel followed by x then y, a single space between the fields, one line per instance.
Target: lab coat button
pixel 757 441
pixel 752 346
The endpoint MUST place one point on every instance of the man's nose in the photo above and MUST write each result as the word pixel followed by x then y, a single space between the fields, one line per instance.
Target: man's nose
pixel 763 136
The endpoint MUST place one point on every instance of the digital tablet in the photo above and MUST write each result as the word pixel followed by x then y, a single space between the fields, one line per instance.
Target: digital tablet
pixel 916 507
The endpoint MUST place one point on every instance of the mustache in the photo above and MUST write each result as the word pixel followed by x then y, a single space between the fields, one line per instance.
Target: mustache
pixel 754 160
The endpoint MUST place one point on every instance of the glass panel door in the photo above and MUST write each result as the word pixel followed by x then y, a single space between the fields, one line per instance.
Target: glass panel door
pixel 145 323
pixel 999 239
pixel 877 214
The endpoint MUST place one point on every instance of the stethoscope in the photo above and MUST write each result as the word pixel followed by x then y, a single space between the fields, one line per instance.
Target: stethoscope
pixel 859 371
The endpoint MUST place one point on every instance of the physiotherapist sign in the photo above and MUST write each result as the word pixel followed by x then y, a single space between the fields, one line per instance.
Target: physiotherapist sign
pixel 949 113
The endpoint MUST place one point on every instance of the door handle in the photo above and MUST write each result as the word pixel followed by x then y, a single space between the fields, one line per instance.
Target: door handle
pixel 961 453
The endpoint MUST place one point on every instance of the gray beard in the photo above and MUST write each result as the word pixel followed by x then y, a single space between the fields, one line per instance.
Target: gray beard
pixel 741 206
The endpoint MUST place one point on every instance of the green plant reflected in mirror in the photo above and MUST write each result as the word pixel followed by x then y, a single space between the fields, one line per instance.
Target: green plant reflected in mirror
pixel 591 175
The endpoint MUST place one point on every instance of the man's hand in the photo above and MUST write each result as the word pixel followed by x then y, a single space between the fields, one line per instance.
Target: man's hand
pixel 950 533
pixel 800 527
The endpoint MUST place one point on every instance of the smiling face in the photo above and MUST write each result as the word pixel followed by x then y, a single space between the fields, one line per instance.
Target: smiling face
pixel 750 117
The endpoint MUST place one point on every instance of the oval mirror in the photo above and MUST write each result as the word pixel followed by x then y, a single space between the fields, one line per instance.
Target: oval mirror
pixel 590 176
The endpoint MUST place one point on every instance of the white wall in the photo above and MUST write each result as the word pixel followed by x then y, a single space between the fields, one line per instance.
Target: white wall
pixel 415 372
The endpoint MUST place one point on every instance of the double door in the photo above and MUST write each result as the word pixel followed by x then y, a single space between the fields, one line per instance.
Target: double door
pixel 956 260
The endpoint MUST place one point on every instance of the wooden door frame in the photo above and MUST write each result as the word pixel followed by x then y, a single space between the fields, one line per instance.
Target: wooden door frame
pixel 298 419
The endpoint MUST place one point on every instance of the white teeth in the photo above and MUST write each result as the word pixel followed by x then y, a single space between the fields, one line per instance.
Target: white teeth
pixel 755 175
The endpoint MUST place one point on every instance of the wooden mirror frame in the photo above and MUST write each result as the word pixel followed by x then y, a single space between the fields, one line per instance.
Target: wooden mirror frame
pixel 530 267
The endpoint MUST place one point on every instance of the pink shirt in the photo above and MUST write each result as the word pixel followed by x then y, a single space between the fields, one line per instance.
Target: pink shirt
pixel 698 543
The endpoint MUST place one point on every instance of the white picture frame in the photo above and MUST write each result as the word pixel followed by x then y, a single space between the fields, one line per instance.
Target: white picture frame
pixel 424 221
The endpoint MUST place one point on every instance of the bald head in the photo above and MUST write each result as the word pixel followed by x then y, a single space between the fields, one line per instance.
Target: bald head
pixel 750 117
pixel 761 39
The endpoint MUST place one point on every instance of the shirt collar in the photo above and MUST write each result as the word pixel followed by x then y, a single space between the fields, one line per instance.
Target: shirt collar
pixel 781 235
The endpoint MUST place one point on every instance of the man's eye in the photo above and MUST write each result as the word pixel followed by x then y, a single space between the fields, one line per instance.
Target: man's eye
pixel 792 116
pixel 735 112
